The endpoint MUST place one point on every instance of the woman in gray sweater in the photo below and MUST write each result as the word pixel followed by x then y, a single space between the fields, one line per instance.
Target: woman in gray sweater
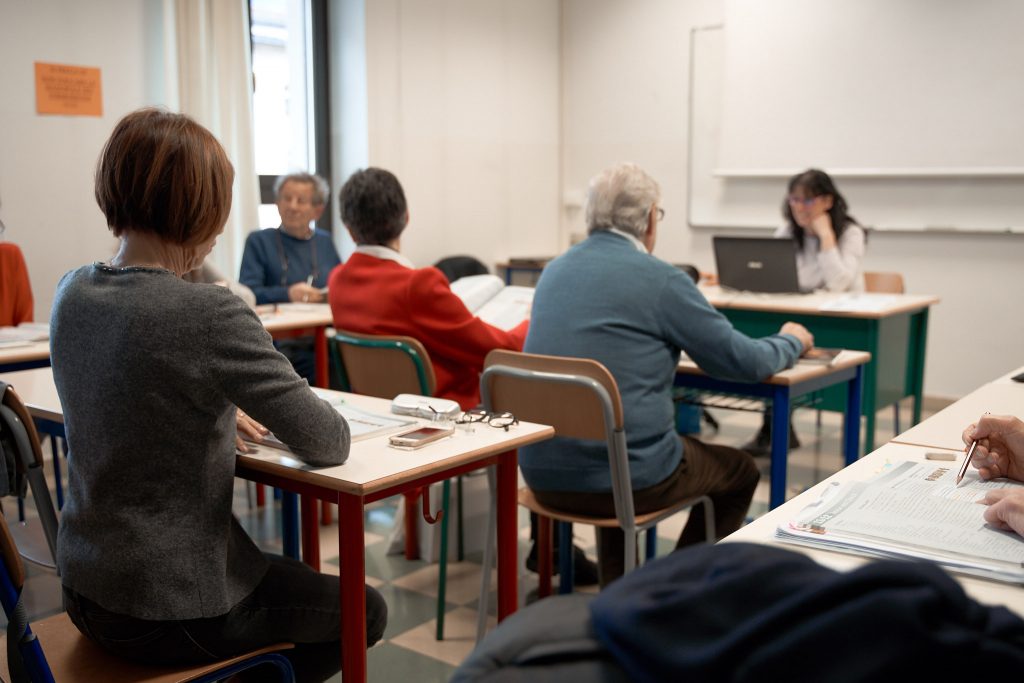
pixel 155 375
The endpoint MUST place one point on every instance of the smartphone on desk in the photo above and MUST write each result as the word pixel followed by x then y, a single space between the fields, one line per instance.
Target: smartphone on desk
pixel 419 437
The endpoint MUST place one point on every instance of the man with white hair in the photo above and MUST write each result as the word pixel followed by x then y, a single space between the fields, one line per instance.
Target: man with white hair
pixel 609 299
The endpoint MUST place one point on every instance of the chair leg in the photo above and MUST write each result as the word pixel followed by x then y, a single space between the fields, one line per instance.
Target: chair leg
pixel 565 567
pixel 461 538
pixel 543 542
pixel 58 485
pixel 488 558
pixel 261 496
pixel 651 546
pixel 896 417
pixel 442 564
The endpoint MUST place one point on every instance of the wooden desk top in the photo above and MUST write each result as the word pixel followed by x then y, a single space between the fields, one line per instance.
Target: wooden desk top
pixel 22 353
pixel 372 464
pixel 762 530
pixel 801 372
pixel 280 317
pixel 944 428
pixel 831 304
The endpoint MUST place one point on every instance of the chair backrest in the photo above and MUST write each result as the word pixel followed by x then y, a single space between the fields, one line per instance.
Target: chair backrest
pixel 382 366
pixel 576 396
pixel 25 659
pixel 19 434
pixel 456 267
pixel 574 409
pixel 889 283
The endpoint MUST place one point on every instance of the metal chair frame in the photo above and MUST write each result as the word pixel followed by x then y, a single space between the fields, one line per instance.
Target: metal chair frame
pixel 426 385
pixel 595 381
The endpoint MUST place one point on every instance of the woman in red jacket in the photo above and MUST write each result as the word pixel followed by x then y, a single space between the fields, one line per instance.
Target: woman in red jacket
pixel 379 291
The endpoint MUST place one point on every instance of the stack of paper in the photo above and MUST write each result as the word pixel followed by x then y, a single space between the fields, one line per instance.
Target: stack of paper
pixel 913 510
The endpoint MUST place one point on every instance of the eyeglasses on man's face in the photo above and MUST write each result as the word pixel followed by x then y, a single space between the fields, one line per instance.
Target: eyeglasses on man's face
pixel 661 213
pixel 500 420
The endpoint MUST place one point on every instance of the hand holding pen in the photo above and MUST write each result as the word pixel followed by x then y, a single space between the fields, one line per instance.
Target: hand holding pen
pixel 996 447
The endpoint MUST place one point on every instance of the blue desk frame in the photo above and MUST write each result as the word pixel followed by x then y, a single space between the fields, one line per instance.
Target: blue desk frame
pixel 781 397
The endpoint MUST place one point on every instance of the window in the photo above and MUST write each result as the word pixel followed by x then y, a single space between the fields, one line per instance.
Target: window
pixel 284 123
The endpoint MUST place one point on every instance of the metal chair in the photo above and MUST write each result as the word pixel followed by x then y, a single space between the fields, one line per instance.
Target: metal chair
pixel 580 399
pixel 54 649
pixel 887 283
pixel 386 367
pixel 20 441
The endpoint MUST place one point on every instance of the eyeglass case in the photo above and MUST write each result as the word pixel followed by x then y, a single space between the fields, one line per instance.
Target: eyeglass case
pixel 420 406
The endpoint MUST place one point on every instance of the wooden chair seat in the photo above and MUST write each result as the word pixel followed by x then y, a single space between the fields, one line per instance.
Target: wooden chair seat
pixel 73 657
pixel 528 500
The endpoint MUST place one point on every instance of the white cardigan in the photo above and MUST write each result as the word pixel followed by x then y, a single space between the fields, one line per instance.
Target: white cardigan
pixel 837 270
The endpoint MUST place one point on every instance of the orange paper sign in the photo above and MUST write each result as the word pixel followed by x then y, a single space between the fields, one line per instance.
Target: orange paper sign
pixel 69 90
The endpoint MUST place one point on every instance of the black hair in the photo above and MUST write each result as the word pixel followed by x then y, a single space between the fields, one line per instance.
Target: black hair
pixel 817 183
pixel 373 206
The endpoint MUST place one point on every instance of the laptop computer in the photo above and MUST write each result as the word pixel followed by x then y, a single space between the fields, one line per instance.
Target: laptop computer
pixel 756 264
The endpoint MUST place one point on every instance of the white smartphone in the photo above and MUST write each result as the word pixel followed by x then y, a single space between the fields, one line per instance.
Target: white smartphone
pixel 419 437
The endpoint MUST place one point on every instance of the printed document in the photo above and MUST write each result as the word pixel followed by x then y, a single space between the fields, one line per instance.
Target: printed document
pixel 913 510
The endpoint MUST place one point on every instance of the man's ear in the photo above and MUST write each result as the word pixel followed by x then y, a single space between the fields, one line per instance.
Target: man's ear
pixel 651 236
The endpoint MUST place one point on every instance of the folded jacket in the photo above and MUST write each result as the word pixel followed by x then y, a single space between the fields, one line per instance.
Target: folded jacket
pixel 745 612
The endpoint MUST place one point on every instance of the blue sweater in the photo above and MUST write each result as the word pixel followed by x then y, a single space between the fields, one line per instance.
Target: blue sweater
pixel 606 300
pixel 264 264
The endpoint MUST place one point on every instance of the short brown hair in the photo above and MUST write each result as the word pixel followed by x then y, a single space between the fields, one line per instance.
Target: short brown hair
pixel 373 206
pixel 164 174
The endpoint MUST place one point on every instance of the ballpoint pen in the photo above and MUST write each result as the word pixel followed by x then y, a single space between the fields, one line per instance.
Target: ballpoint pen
pixel 309 283
pixel 967 461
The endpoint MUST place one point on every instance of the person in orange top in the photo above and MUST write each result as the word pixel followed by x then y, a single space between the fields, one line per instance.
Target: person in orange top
pixel 379 291
pixel 15 290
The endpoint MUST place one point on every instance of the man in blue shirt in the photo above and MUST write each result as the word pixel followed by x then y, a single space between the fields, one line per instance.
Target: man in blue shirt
pixel 609 299
pixel 291 263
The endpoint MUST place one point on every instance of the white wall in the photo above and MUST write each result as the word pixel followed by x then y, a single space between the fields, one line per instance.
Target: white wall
pixel 47 162
pixel 626 72
pixel 463 102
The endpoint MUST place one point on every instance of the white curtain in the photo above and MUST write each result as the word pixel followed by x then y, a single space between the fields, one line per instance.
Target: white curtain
pixel 209 77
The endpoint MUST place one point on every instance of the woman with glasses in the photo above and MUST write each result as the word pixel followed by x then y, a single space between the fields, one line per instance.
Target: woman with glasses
pixel 830 254
pixel 830 243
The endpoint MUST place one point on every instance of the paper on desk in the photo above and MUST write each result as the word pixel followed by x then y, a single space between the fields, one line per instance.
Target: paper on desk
pixel 361 424
pixel 862 303
pixel 913 510
pixel 24 333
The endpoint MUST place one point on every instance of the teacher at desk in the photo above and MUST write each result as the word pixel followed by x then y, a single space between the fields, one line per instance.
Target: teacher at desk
pixel 150 369
pixel 1000 453
pixel 829 242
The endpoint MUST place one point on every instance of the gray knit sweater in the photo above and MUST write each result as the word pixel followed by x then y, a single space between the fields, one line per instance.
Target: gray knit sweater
pixel 149 369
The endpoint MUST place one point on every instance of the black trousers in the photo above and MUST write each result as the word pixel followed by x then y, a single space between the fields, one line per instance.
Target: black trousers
pixel 292 603
pixel 726 475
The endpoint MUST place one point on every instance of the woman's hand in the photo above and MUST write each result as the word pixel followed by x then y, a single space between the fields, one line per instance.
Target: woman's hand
pixel 250 429
pixel 821 226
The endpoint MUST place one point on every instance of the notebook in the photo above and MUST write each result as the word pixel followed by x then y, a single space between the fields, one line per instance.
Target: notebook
pixel 756 264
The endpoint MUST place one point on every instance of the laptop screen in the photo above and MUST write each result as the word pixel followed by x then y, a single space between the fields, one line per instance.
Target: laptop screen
pixel 756 264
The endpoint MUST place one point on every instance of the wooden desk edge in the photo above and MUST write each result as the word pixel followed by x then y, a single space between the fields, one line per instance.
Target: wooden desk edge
pixel 850 358
pixel 314 478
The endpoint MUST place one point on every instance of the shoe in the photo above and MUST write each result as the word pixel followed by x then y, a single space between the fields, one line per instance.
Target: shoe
pixel 584 570
pixel 761 445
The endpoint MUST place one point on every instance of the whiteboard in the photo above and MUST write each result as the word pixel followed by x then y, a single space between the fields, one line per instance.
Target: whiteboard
pixel 889 87
pixel 881 199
